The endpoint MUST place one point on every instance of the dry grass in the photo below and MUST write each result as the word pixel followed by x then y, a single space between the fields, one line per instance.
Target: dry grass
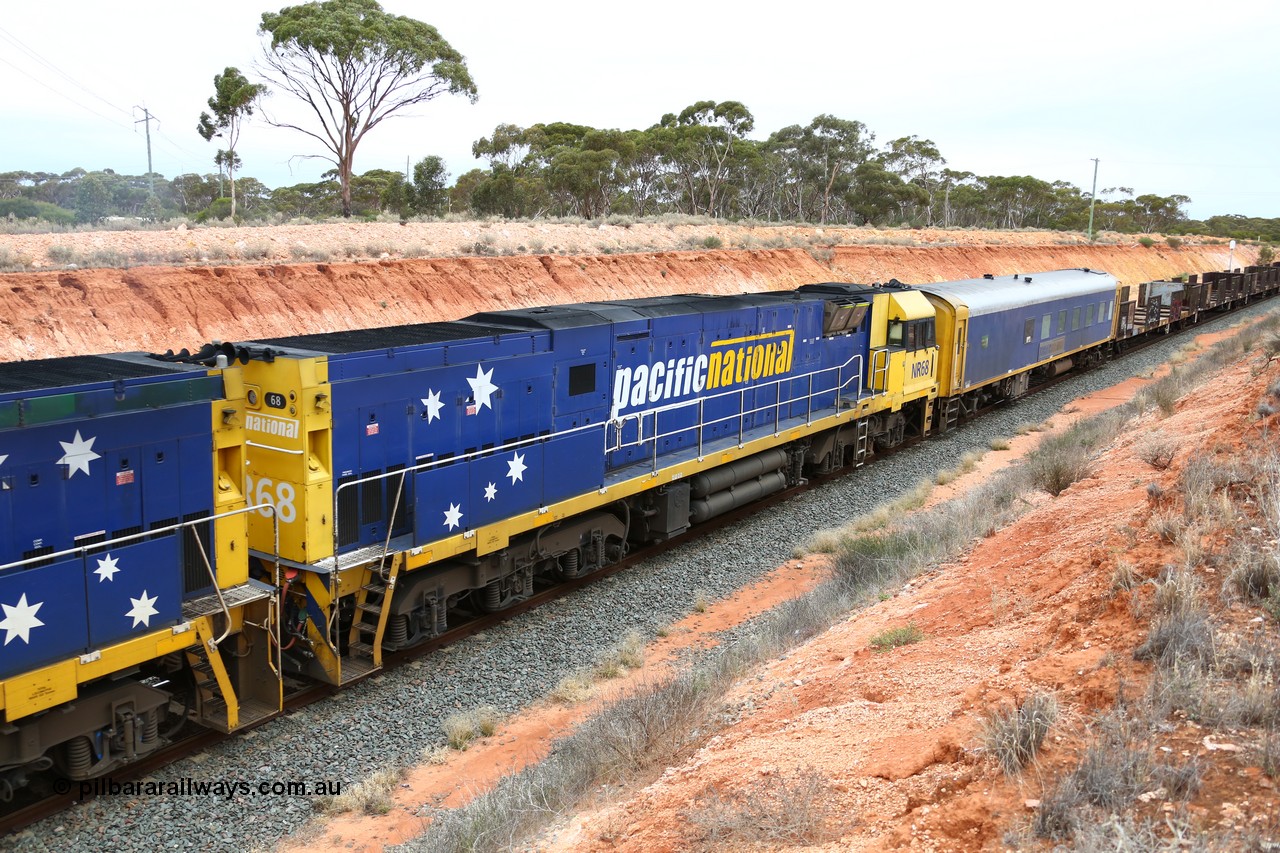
pixel 370 796
pixel 574 688
pixel 627 655
pixel 1014 735
pixel 778 809
pixel 465 726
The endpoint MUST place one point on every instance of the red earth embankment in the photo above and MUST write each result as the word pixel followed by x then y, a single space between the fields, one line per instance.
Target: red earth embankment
pixel 56 313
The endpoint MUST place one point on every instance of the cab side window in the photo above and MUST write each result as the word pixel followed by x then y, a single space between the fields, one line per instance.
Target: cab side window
pixel 912 334
pixel 897 332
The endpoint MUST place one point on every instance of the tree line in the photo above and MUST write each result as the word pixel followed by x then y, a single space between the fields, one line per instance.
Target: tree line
pixel 354 66
pixel 697 162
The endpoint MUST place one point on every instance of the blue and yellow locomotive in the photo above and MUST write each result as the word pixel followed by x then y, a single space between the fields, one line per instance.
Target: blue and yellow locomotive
pixel 431 470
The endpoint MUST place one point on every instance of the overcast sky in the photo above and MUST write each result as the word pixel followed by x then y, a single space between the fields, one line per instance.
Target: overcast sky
pixel 1170 98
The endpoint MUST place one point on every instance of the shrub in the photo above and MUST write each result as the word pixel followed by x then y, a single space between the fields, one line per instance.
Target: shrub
pixel 1183 635
pixel 822 255
pixel 1271 603
pixel 1114 768
pixel 1014 735
pixel 1123 577
pixel 775 810
pixel 712 242
pixel 12 261
pixel 219 208
pixel 1146 242
pixel 106 258
pixel 895 637
pixel 60 254
pixel 1056 464
pixel 23 209
pixel 1056 815
pixel 1253 576
pixel 487 719
pixel 459 730
pixel 1181 782
pixel 1158 451
pixel 1174 242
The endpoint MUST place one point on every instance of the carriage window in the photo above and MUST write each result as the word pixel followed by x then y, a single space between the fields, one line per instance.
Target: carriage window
pixel 1075 319
pixel 1111 307
pixel 582 379
pixel 985 340
pixel 1046 323
pixel 1029 330
pixel 1088 320
pixel 1102 311
pixel 1062 321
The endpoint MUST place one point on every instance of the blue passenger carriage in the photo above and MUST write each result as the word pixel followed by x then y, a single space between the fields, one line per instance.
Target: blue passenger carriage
pixel 995 333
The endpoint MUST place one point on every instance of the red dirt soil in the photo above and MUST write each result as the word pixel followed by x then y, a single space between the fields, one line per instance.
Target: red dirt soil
pixel 153 308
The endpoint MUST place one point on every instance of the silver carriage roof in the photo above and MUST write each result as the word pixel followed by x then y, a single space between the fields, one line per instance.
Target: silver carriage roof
pixel 1007 292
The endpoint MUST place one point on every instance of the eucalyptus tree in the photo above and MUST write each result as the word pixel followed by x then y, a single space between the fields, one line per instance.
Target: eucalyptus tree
pixel 1159 213
pixel 876 193
pixel 353 65
pixel 918 161
pixel 428 192
pixel 834 148
pixel 587 167
pixel 643 189
pixel 698 145
pixel 234 98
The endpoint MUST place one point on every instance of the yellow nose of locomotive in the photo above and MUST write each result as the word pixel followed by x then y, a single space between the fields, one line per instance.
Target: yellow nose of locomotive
pixel 288 476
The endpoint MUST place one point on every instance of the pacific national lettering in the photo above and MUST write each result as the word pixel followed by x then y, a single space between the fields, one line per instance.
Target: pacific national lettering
pixel 730 363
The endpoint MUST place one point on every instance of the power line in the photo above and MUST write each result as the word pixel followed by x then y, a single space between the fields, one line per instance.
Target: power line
pixel 14 40
pixel 62 94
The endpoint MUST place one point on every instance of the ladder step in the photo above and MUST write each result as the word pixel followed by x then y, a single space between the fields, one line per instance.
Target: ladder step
pixel 375 586
pixel 203 666
pixel 360 648
pixel 375 609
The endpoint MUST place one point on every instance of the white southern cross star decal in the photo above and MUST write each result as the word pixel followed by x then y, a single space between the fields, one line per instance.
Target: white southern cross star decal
pixel 3 456
pixel 77 454
pixel 453 516
pixel 490 492
pixel 433 404
pixel 482 389
pixel 143 610
pixel 106 570
pixel 516 468
pixel 19 619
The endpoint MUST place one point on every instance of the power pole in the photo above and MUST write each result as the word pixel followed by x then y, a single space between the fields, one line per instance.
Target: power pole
pixel 146 119
pixel 1093 197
